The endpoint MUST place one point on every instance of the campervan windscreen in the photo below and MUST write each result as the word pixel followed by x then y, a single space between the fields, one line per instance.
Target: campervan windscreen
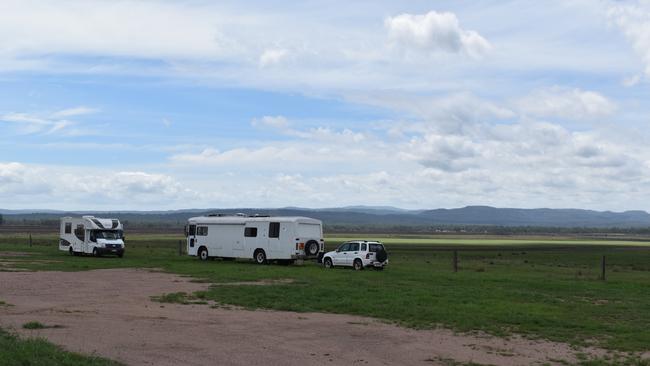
pixel 107 234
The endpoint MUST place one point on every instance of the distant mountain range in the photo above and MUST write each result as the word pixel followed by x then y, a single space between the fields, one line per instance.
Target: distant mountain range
pixel 382 215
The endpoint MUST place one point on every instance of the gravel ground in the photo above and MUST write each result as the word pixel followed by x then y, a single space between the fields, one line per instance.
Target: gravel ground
pixel 110 313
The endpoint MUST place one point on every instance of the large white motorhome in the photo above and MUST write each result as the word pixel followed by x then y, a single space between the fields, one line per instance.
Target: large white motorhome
pixel 91 235
pixel 261 238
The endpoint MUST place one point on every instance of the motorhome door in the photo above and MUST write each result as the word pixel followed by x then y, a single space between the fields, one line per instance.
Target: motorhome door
pixel 191 239
pixel 80 239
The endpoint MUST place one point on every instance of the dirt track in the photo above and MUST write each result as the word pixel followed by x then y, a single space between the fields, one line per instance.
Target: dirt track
pixel 109 312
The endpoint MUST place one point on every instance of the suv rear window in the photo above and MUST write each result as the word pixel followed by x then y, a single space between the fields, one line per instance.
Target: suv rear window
pixel 354 247
pixel 376 247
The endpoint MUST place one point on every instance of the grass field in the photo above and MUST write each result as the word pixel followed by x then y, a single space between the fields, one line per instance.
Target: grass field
pixel 534 287
pixel 15 351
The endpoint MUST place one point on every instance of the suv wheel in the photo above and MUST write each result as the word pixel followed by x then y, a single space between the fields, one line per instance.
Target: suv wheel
pixel 327 263
pixel 357 265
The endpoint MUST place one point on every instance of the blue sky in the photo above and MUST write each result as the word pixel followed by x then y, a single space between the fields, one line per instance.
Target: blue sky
pixel 179 104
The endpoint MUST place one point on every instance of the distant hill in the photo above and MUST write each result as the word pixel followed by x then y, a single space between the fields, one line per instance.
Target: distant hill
pixel 377 216
pixel 486 215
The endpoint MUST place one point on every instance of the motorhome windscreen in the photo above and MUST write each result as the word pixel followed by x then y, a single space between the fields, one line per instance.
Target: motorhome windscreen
pixel 108 234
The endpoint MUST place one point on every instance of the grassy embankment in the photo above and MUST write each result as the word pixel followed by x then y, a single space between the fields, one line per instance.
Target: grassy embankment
pixel 535 287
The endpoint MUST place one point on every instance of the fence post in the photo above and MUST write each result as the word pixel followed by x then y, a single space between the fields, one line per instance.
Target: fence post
pixel 180 247
pixel 30 240
pixel 455 261
pixel 602 269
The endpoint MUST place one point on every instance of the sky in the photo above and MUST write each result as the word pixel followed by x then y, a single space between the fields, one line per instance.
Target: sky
pixel 150 105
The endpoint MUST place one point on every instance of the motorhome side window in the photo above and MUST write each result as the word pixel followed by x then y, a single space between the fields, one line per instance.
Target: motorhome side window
pixel 68 228
pixel 202 230
pixel 192 230
pixel 274 230
pixel 250 232
pixel 79 232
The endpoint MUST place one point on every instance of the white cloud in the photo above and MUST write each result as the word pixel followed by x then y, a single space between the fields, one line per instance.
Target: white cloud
pixel 243 45
pixel 326 134
pixel 522 163
pixel 47 123
pixel 279 122
pixel 446 153
pixel 17 179
pixel 76 111
pixel 137 185
pixel 451 112
pixel 450 131
pixel 568 103
pixel 272 57
pixel 296 156
pixel 282 125
pixel 26 185
pixel 127 28
pixel 434 32
pixel 633 18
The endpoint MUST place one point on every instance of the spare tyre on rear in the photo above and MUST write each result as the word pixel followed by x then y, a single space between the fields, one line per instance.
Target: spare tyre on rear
pixel 312 248
pixel 381 255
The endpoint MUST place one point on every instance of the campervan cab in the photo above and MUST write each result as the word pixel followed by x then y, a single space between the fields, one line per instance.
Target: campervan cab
pixel 262 238
pixel 91 235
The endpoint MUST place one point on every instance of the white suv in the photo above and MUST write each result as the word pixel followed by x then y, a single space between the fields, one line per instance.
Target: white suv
pixel 357 254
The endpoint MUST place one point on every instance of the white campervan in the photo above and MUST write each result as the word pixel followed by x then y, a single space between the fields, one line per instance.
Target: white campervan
pixel 91 235
pixel 262 238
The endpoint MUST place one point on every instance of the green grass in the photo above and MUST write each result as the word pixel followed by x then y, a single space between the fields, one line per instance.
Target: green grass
pixel 34 325
pixel 38 325
pixel 15 351
pixel 544 289
pixel 619 361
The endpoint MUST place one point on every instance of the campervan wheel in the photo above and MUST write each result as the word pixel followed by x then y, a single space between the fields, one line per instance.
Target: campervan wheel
pixel 203 254
pixel 260 256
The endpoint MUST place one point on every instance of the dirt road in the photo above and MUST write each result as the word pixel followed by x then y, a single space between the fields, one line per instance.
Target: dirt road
pixel 109 313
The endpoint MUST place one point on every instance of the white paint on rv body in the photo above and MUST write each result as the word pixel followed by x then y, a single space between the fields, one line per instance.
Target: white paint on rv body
pixel 225 236
pixel 75 233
